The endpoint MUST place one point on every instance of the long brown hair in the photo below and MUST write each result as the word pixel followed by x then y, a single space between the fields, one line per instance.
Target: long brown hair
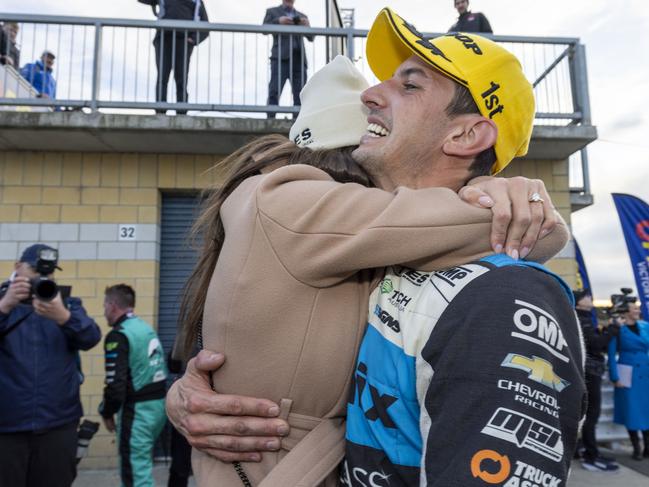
pixel 262 153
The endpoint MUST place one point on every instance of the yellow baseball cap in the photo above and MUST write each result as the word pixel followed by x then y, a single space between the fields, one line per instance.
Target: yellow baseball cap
pixel 492 75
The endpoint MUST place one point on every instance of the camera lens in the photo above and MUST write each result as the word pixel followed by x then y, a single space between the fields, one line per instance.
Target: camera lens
pixel 45 289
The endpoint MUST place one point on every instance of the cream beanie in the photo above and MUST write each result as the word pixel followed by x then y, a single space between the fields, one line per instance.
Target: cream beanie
pixel 332 114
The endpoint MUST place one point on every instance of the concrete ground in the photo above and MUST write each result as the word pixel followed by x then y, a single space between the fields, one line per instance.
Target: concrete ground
pixel 578 478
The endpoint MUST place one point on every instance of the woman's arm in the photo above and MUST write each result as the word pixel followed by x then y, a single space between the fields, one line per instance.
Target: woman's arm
pixel 323 231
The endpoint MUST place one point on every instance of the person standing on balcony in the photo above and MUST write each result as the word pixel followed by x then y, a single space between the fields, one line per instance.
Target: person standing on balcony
pixel 9 52
pixel 287 56
pixel 469 21
pixel 174 47
pixel 39 74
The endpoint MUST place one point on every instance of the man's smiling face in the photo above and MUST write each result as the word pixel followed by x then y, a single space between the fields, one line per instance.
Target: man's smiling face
pixel 407 123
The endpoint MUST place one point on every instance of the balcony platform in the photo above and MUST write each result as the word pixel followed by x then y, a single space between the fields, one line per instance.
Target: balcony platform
pixel 183 134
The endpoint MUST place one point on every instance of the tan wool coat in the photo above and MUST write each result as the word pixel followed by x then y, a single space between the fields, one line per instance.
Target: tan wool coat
pixel 287 303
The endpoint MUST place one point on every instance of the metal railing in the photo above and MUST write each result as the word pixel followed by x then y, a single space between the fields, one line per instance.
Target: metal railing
pixel 104 64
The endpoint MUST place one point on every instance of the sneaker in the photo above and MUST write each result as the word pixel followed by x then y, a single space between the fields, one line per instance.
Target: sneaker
pixel 598 465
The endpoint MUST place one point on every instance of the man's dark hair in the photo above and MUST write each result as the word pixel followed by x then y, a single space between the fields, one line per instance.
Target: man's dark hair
pixel 122 294
pixel 464 104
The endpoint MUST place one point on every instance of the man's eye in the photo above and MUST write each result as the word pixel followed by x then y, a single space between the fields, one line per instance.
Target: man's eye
pixel 409 86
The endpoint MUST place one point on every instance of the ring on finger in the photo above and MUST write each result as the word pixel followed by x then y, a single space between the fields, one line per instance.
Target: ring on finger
pixel 535 198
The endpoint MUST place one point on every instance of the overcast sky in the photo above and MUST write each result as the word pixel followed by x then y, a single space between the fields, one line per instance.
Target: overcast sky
pixel 617 45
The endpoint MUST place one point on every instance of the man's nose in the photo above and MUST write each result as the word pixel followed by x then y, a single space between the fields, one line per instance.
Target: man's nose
pixel 374 96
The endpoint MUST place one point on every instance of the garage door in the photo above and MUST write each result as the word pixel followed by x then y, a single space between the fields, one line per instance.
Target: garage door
pixel 177 259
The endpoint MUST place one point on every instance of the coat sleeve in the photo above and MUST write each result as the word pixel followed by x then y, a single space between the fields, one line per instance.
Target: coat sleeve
pixel 323 231
pixel 116 382
pixel 504 394
pixel 80 330
pixel 271 17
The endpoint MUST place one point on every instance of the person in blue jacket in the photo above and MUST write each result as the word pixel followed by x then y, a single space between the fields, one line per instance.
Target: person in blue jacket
pixel 39 376
pixel 632 403
pixel 40 75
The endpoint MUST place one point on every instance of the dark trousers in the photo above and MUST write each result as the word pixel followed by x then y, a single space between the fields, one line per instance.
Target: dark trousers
pixel 35 459
pixel 282 71
pixel 181 460
pixel 172 52
pixel 594 388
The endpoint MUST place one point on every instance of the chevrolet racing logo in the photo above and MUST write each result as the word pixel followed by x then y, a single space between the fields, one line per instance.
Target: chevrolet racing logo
pixel 538 369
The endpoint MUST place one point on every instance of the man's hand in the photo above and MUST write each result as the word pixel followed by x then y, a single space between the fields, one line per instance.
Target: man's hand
pixel 54 310
pixel 227 427
pixel 18 290
pixel 304 20
pixel 109 423
pixel 517 222
pixel 286 20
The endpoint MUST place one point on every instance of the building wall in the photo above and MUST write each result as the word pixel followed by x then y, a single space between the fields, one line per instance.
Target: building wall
pixel 76 202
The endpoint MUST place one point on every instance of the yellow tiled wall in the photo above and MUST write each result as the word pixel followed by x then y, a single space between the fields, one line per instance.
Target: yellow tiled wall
pixel 96 188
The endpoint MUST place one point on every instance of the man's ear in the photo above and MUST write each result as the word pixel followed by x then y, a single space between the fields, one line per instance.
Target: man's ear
pixel 470 135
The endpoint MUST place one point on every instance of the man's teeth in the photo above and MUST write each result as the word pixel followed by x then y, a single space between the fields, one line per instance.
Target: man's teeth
pixel 375 130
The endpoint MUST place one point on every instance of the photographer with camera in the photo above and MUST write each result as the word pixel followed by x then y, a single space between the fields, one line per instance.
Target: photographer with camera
pixel 596 341
pixel 287 56
pixel 41 332
pixel 628 364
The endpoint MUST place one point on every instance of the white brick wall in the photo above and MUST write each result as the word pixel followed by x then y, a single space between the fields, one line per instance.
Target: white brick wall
pixel 80 241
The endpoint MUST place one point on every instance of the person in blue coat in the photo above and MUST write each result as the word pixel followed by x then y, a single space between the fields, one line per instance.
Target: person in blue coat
pixel 40 340
pixel 39 74
pixel 632 403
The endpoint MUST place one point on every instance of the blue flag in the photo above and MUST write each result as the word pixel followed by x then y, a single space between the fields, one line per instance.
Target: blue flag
pixel 582 274
pixel 634 216
pixel 583 282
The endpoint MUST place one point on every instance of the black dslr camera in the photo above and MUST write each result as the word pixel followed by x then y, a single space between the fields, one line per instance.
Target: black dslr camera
pixel 620 302
pixel 44 288
pixel 296 19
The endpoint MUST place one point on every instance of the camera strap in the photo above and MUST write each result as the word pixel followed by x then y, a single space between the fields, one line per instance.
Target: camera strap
pixel 15 325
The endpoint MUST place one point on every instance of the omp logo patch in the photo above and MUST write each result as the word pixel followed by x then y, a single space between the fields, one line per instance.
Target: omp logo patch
pixel 525 432
pixel 490 459
pixel 453 274
pixel 538 370
pixel 537 326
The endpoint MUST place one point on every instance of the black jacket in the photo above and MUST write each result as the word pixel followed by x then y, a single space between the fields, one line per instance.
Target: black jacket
pixel 596 342
pixel 182 10
pixel 471 22
pixel 8 49
pixel 290 45
pixel 39 374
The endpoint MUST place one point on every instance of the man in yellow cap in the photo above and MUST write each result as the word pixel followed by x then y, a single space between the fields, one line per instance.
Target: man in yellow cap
pixel 470 376
pixel 492 341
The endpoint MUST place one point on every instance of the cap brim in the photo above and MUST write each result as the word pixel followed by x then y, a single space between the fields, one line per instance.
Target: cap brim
pixel 392 40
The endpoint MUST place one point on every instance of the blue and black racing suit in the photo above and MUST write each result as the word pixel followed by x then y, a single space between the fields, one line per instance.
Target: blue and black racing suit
pixel 472 376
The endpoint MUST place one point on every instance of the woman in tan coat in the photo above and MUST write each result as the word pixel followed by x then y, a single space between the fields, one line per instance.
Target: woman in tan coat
pixel 289 259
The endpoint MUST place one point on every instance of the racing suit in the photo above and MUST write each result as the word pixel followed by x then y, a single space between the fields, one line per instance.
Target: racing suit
pixel 472 376
pixel 135 389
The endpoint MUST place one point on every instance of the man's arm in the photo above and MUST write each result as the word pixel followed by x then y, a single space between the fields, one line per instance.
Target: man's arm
pixel 272 16
pixel 230 428
pixel 503 390
pixel 116 367
pixel 81 331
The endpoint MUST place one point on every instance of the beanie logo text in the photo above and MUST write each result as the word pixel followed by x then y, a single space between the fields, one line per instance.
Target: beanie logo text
pixel 303 138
